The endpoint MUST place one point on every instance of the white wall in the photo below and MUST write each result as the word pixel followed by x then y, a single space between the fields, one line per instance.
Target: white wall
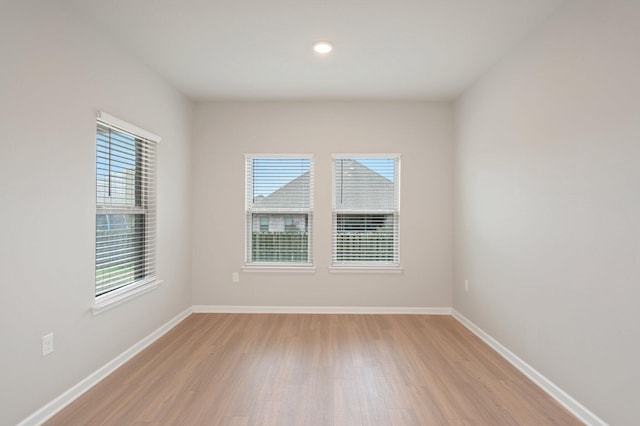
pixel 547 204
pixel 57 72
pixel 545 186
pixel 223 132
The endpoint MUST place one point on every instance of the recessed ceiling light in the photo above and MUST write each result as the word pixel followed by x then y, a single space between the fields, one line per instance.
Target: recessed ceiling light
pixel 322 47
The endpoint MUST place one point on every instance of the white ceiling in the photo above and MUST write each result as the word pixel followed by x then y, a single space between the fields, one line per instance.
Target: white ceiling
pixel 261 49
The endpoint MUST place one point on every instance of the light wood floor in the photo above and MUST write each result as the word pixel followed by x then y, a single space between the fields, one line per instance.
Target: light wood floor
pixel 239 369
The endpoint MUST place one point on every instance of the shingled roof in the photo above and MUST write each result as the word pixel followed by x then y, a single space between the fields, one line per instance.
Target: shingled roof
pixel 356 185
pixel 359 188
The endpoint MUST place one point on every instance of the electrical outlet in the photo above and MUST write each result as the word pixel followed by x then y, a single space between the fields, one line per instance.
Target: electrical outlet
pixel 466 285
pixel 235 277
pixel 47 344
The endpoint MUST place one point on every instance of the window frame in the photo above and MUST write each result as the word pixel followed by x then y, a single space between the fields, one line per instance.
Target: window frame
pixel 250 210
pixel 145 204
pixel 366 266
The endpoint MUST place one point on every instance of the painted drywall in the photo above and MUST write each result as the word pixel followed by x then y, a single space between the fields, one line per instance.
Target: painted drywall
pixel 224 131
pixel 57 72
pixel 547 204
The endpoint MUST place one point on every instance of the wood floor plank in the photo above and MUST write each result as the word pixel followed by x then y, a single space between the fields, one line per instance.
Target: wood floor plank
pixel 324 370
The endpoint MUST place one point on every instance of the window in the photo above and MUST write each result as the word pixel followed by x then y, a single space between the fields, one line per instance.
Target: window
pixel 264 223
pixel 279 201
pixel 366 210
pixel 125 206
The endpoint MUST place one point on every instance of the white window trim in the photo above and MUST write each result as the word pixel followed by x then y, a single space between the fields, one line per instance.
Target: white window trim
pixel 128 127
pixel 368 155
pixel 124 294
pixel 301 269
pixel 296 268
pixel 356 268
pixel 360 269
pixel 272 155
pixel 114 298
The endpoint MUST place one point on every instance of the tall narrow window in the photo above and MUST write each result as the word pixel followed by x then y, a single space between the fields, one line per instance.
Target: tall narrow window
pixel 279 208
pixel 125 205
pixel 366 210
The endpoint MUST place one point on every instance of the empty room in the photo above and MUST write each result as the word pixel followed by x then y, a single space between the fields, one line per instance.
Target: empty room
pixel 411 212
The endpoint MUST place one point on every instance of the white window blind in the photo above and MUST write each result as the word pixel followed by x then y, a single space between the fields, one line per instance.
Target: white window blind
pixel 366 210
pixel 279 209
pixel 125 205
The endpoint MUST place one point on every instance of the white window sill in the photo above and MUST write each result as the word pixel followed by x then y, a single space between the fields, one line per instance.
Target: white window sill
pixel 117 297
pixel 363 269
pixel 302 269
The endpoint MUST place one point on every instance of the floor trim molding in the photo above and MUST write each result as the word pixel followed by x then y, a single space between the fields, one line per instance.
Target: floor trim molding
pixel 563 398
pixel 56 405
pixel 53 407
pixel 219 309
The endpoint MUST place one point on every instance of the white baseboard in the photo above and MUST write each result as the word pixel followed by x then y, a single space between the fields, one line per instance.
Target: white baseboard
pixel 53 407
pixel 573 406
pixel 208 309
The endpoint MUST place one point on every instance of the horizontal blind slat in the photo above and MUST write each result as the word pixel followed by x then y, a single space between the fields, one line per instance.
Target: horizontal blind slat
pixel 279 199
pixel 125 208
pixel 365 219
